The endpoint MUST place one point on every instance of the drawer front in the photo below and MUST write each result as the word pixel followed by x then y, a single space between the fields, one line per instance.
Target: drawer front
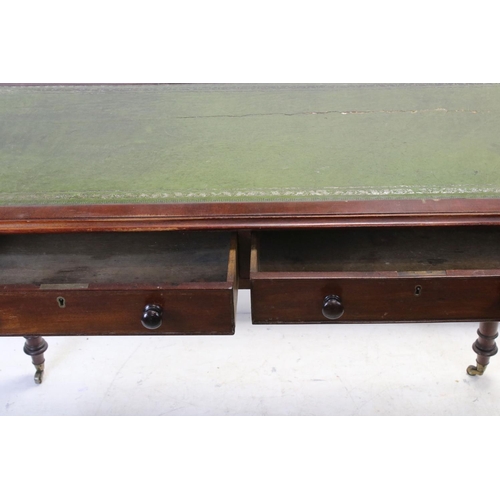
pixel 123 283
pixel 398 299
pixel 92 312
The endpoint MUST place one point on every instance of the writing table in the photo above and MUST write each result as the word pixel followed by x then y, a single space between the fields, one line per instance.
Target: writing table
pixel 141 209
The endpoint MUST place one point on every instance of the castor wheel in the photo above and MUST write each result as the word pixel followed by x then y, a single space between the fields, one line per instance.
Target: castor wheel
pixel 39 373
pixel 475 370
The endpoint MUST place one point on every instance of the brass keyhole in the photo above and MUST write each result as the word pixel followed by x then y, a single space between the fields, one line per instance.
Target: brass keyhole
pixel 418 291
pixel 61 302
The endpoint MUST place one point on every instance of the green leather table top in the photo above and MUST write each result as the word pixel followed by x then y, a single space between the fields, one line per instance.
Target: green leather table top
pixel 206 143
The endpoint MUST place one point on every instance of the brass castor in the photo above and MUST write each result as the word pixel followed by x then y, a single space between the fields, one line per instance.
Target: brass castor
pixel 39 373
pixel 476 370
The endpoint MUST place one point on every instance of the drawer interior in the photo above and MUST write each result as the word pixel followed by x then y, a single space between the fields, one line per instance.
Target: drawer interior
pixel 116 258
pixel 401 249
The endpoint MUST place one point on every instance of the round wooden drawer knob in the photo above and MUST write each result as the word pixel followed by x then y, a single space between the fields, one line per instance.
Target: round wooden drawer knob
pixel 332 307
pixel 152 316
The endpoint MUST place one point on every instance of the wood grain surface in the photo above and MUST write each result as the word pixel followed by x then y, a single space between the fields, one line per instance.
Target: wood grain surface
pixel 204 311
pixel 100 284
pixel 114 258
pixel 386 299
pixel 409 249
pixel 380 275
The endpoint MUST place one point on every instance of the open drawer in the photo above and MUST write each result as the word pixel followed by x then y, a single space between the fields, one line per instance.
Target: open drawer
pixel 118 283
pixel 376 275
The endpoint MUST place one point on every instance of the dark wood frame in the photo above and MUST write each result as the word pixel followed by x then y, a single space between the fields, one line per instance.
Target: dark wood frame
pixel 248 215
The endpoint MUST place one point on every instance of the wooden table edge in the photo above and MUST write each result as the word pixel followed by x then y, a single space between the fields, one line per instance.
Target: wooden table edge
pixel 248 215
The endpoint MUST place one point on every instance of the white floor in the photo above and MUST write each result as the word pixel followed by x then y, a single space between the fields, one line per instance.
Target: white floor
pixel 261 370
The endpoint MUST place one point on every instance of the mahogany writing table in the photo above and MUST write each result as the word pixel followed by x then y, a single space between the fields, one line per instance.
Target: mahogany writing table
pixel 141 209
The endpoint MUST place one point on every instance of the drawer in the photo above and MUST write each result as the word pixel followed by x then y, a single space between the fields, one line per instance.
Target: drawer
pixel 118 283
pixel 376 275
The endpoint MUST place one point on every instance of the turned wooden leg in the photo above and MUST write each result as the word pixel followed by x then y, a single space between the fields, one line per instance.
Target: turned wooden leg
pixel 484 347
pixel 35 347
